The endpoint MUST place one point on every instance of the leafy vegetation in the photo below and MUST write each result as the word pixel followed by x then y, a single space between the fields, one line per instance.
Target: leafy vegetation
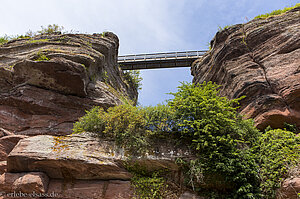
pixel 276 12
pixel 51 29
pixel 235 158
pixel 4 39
pixel 277 152
pixel 134 78
pixel 41 57
pixel 225 27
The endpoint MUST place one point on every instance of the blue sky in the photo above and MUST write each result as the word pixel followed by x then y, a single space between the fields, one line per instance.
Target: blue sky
pixel 143 26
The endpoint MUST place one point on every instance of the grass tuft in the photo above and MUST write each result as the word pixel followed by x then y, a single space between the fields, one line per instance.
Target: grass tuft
pixel 276 12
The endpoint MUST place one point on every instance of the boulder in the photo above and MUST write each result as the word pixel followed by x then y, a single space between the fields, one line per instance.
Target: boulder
pixel 83 157
pixel 7 143
pixel 34 182
pixel 260 60
pixel 289 189
pixel 47 82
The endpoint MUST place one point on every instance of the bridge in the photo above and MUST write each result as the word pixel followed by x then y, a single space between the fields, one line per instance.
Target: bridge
pixel 159 60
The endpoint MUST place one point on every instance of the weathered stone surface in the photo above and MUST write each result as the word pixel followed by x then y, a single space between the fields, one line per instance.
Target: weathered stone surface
pixel 48 96
pixel 7 143
pixel 289 189
pixel 3 166
pixel 82 157
pixel 24 182
pixel 82 189
pixel 190 195
pixel 261 60
pixel 4 132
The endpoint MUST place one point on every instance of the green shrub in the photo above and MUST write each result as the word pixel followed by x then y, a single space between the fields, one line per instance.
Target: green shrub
pixel 133 77
pixel 250 164
pixel 149 187
pixel 276 12
pixel 4 39
pixel 159 120
pixel 91 122
pixel 51 29
pixel 277 151
pixel 126 124
pixel 220 138
pixel 41 57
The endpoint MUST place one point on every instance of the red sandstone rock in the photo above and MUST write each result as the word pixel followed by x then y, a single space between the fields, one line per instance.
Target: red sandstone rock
pixel 24 182
pixel 4 132
pixel 7 143
pixel 289 189
pixel 261 60
pixel 3 167
pixel 82 189
pixel 48 96
pixel 84 157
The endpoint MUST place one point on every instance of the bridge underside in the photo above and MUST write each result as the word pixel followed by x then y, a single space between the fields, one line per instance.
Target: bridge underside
pixel 156 64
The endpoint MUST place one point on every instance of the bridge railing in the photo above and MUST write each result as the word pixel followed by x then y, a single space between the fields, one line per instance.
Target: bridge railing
pixel 160 56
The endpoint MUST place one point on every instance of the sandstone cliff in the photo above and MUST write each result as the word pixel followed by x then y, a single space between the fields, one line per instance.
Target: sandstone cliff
pixel 261 60
pixel 48 81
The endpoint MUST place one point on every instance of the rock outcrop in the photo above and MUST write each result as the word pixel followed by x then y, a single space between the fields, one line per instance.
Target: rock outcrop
pixel 47 82
pixel 84 166
pixel 84 157
pixel 260 60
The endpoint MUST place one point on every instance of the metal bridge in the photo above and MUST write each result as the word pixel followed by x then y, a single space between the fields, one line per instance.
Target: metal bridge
pixel 159 60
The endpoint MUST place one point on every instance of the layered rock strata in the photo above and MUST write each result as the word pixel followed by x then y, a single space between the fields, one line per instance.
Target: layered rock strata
pixel 260 60
pixel 47 82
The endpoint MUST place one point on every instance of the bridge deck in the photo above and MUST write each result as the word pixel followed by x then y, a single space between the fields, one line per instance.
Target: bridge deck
pixel 159 60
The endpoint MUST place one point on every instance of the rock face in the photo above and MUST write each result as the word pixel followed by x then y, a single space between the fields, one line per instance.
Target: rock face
pixel 82 157
pixel 24 182
pixel 7 143
pixel 261 60
pixel 47 82
pixel 84 166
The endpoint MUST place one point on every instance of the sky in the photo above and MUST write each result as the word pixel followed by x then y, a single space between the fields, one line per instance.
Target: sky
pixel 143 26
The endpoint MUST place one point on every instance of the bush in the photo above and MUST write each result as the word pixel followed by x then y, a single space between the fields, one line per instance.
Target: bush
pixel 4 39
pixel 228 149
pixel 134 78
pixel 149 187
pixel 159 120
pixel 126 124
pixel 220 138
pixel 277 151
pixel 91 122
pixel 51 29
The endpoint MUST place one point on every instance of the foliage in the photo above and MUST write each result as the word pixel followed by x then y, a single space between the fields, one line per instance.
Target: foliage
pixel 133 77
pixel 220 138
pixel 278 151
pixel 276 12
pixel 291 127
pixel 125 123
pixel 251 164
pixel 149 187
pixel 4 39
pixel 51 29
pixel 37 40
pixel 159 120
pixel 41 57
pixel 92 121
pixel 225 27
